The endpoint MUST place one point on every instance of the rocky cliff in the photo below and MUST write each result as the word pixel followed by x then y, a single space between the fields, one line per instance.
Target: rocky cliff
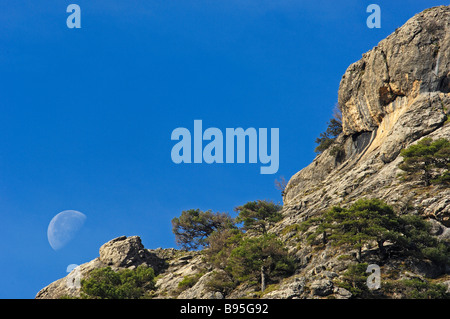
pixel 397 94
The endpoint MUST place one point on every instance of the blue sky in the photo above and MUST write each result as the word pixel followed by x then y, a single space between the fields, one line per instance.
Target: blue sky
pixel 87 114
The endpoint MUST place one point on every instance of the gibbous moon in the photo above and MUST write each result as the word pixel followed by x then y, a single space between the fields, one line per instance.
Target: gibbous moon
pixel 63 228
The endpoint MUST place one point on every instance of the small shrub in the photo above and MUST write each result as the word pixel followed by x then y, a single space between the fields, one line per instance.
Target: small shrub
pixel 221 243
pixel 334 128
pixel 104 283
pixel 416 289
pixel 428 161
pixel 258 215
pixel 189 281
pixel 290 228
pixel 372 220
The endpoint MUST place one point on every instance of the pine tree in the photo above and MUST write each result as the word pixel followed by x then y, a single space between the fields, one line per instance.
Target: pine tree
pixel 372 220
pixel 428 161
pixel 258 214
pixel 366 220
pixel 260 258
pixel 334 128
pixel 194 226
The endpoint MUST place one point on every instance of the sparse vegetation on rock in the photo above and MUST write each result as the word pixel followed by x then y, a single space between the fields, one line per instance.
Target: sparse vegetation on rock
pixel 428 161
pixel 104 283
pixel 334 128
pixel 372 220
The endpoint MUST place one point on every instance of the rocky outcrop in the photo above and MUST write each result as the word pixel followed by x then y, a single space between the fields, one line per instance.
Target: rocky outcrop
pixel 123 252
pixel 119 253
pixel 408 65
pixel 292 288
pixel 170 265
pixel 200 289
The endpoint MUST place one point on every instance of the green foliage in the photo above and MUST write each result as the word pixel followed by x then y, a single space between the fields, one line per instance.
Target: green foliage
pixel 258 214
pixel 443 179
pixel 221 282
pixel 104 283
pixel 252 254
pixel 354 279
pixel 428 161
pixel 366 220
pixel 326 139
pixel 281 185
pixel 416 289
pixel 418 241
pixel 221 243
pixel 291 228
pixel 369 220
pixel 194 226
pixel 189 281
pixel 243 259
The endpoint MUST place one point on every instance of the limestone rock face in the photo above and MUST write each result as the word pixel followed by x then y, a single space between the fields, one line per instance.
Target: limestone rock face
pixel 123 252
pixel 398 93
pixel 412 61
pixel 200 290
pixel 293 288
